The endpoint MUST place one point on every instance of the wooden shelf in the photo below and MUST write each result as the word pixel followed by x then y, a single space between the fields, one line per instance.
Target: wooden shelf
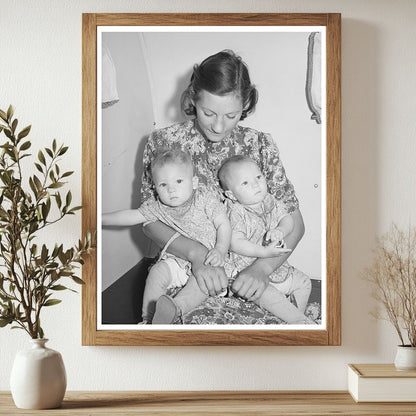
pixel 180 403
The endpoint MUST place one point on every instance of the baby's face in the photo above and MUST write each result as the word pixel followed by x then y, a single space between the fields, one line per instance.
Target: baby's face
pixel 174 183
pixel 247 183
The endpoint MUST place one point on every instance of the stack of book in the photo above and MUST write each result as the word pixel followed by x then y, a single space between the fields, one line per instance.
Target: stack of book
pixel 381 383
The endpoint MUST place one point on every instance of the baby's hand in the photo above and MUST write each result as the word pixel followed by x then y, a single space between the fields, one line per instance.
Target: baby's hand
pixel 273 251
pixel 274 235
pixel 215 258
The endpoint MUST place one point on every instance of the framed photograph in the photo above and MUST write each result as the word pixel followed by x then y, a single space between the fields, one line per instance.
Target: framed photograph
pixel 157 85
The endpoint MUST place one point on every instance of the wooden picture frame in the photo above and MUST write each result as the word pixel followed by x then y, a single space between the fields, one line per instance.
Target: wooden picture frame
pixel 330 334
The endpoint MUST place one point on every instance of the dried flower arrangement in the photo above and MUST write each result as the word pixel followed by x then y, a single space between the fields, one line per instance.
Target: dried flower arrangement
pixel 393 276
pixel 30 273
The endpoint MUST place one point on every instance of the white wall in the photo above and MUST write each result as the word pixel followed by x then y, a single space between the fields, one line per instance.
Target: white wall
pixel 125 126
pixel 40 74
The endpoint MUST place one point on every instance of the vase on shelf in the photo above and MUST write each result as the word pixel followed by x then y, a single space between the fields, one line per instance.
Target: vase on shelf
pixel 405 358
pixel 38 377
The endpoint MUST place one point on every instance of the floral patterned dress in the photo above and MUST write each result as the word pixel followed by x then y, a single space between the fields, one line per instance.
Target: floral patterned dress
pixel 207 157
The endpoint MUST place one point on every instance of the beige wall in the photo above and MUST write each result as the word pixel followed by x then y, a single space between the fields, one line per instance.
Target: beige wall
pixel 40 74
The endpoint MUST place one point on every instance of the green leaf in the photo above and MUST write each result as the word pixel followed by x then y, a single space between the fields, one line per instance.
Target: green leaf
pixel 67 174
pixel 54 145
pixel 33 187
pixel 56 185
pixel 10 112
pixel 39 167
pixel 76 279
pixel 5 321
pixel 51 302
pixel 24 132
pixel 8 133
pixel 40 332
pixel 45 210
pixel 68 199
pixel 49 152
pixel 3 115
pixel 59 287
pixel 63 150
pixel 77 208
pixel 41 157
pixel 44 253
pixel 58 199
pixel 25 155
pixel 37 182
pixel 62 257
pixel 14 125
pixel 25 145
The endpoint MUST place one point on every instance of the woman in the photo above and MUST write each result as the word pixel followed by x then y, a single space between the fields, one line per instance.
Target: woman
pixel 219 95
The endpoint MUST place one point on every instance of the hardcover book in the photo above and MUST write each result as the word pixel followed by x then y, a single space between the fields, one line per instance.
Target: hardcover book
pixel 381 383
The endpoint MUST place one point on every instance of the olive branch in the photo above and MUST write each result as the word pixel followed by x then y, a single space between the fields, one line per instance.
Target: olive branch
pixel 30 272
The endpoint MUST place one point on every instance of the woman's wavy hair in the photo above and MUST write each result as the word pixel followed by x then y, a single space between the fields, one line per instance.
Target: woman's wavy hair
pixel 221 74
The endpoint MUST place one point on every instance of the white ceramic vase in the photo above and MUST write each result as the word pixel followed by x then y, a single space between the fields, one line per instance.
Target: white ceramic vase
pixel 38 377
pixel 405 358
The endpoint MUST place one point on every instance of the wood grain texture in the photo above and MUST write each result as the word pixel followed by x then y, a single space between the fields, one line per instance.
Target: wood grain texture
pixel 89 173
pixel 333 158
pixel 260 403
pixel 331 336
pixel 211 19
pixel 380 371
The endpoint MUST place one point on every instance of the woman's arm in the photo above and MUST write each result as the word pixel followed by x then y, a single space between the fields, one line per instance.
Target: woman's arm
pixel 211 280
pixel 252 281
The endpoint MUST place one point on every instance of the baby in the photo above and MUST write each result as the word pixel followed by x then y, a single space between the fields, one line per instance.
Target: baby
pixel 192 211
pixel 260 224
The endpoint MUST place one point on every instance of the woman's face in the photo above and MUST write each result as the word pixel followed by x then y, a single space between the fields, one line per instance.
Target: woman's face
pixel 217 115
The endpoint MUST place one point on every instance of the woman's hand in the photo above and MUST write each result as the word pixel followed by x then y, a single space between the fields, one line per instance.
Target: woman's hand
pixel 251 283
pixel 211 280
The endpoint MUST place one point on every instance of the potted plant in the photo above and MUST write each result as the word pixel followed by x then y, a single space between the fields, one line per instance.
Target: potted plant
pixel 393 277
pixel 31 273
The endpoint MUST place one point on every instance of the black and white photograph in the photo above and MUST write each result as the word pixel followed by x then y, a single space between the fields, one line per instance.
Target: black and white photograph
pixel 211 178
pixel 181 107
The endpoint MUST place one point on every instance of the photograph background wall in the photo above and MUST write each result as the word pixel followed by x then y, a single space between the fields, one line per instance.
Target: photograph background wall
pixel 41 75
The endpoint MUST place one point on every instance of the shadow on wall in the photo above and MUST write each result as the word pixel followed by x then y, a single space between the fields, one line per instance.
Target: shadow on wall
pixel 172 109
pixel 136 233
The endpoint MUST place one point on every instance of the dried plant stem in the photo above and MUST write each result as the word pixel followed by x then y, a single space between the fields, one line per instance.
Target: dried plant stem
pixel 393 276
